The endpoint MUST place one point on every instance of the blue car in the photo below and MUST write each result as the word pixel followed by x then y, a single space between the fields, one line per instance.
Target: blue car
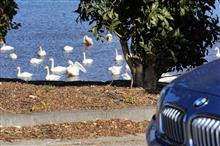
pixel 188 112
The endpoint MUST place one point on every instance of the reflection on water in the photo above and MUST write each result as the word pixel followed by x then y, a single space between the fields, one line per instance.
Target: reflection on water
pixel 51 24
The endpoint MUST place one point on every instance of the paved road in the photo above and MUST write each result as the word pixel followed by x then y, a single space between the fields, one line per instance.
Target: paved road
pixel 130 140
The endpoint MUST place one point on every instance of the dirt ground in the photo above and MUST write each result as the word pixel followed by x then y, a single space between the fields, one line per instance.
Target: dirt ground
pixel 18 97
pixel 79 130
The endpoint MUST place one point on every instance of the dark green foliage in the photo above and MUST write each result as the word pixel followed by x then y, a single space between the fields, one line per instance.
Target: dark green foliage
pixel 8 9
pixel 162 33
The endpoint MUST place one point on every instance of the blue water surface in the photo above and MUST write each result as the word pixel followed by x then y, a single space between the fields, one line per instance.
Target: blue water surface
pixel 52 24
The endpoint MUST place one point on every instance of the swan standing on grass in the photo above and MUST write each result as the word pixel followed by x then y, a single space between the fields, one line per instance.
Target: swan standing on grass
pixel 74 68
pixel 68 49
pixel 35 61
pixel 116 70
pixel 86 60
pixel 51 77
pixel 13 56
pixel 6 47
pixel 23 75
pixel 57 69
pixel 87 41
pixel 118 57
pixel 218 52
pixel 41 52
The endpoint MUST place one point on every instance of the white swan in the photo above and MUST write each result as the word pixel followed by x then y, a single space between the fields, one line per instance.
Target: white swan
pixel 86 60
pixel 68 49
pixel 218 52
pixel 41 52
pixel 109 37
pixel 116 70
pixel 126 76
pixel 35 61
pixel 23 75
pixel 6 47
pixel 118 57
pixel 13 56
pixel 87 41
pixel 51 77
pixel 170 76
pixel 57 69
pixel 167 79
pixel 74 68
pixel 127 68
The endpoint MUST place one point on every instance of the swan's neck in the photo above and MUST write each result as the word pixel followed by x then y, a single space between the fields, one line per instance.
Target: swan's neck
pixel 52 63
pixel 116 52
pixel 48 72
pixel 218 51
pixel 84 56
pixel 19 71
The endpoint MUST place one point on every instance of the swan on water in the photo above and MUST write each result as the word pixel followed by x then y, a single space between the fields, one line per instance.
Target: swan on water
pixel 13 56
pixel 118 57
pixel 126 76
pixel 218 52
pixel 41 52
pixel 23 75
pixel 87 41
pixel 68 49
pixel 6 47
pixel 108 37
pixel 86 60
pixel 35 61
pixel 167 79
pixel 170 76
pixel 74 68
pixel 127 68
pixel 51 77
pixel 57 69
pixel 115 70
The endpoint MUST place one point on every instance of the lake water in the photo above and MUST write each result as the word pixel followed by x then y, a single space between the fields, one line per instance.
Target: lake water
pixel 52 24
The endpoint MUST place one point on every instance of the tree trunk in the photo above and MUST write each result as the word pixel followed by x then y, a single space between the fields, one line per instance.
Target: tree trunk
pixel 150 78
pixel 137 74
pixel 143 76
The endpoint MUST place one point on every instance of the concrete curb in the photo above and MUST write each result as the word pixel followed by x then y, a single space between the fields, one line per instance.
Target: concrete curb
pixel 128 140
pixel 135 114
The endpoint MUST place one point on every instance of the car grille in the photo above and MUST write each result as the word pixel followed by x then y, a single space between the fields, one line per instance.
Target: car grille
pixel 172 124
pixel 205 131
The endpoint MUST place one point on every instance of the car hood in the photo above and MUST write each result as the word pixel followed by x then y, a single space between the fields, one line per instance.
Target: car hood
pixel 205 78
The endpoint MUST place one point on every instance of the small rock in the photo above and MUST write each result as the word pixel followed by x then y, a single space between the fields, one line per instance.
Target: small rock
pixel 33 96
